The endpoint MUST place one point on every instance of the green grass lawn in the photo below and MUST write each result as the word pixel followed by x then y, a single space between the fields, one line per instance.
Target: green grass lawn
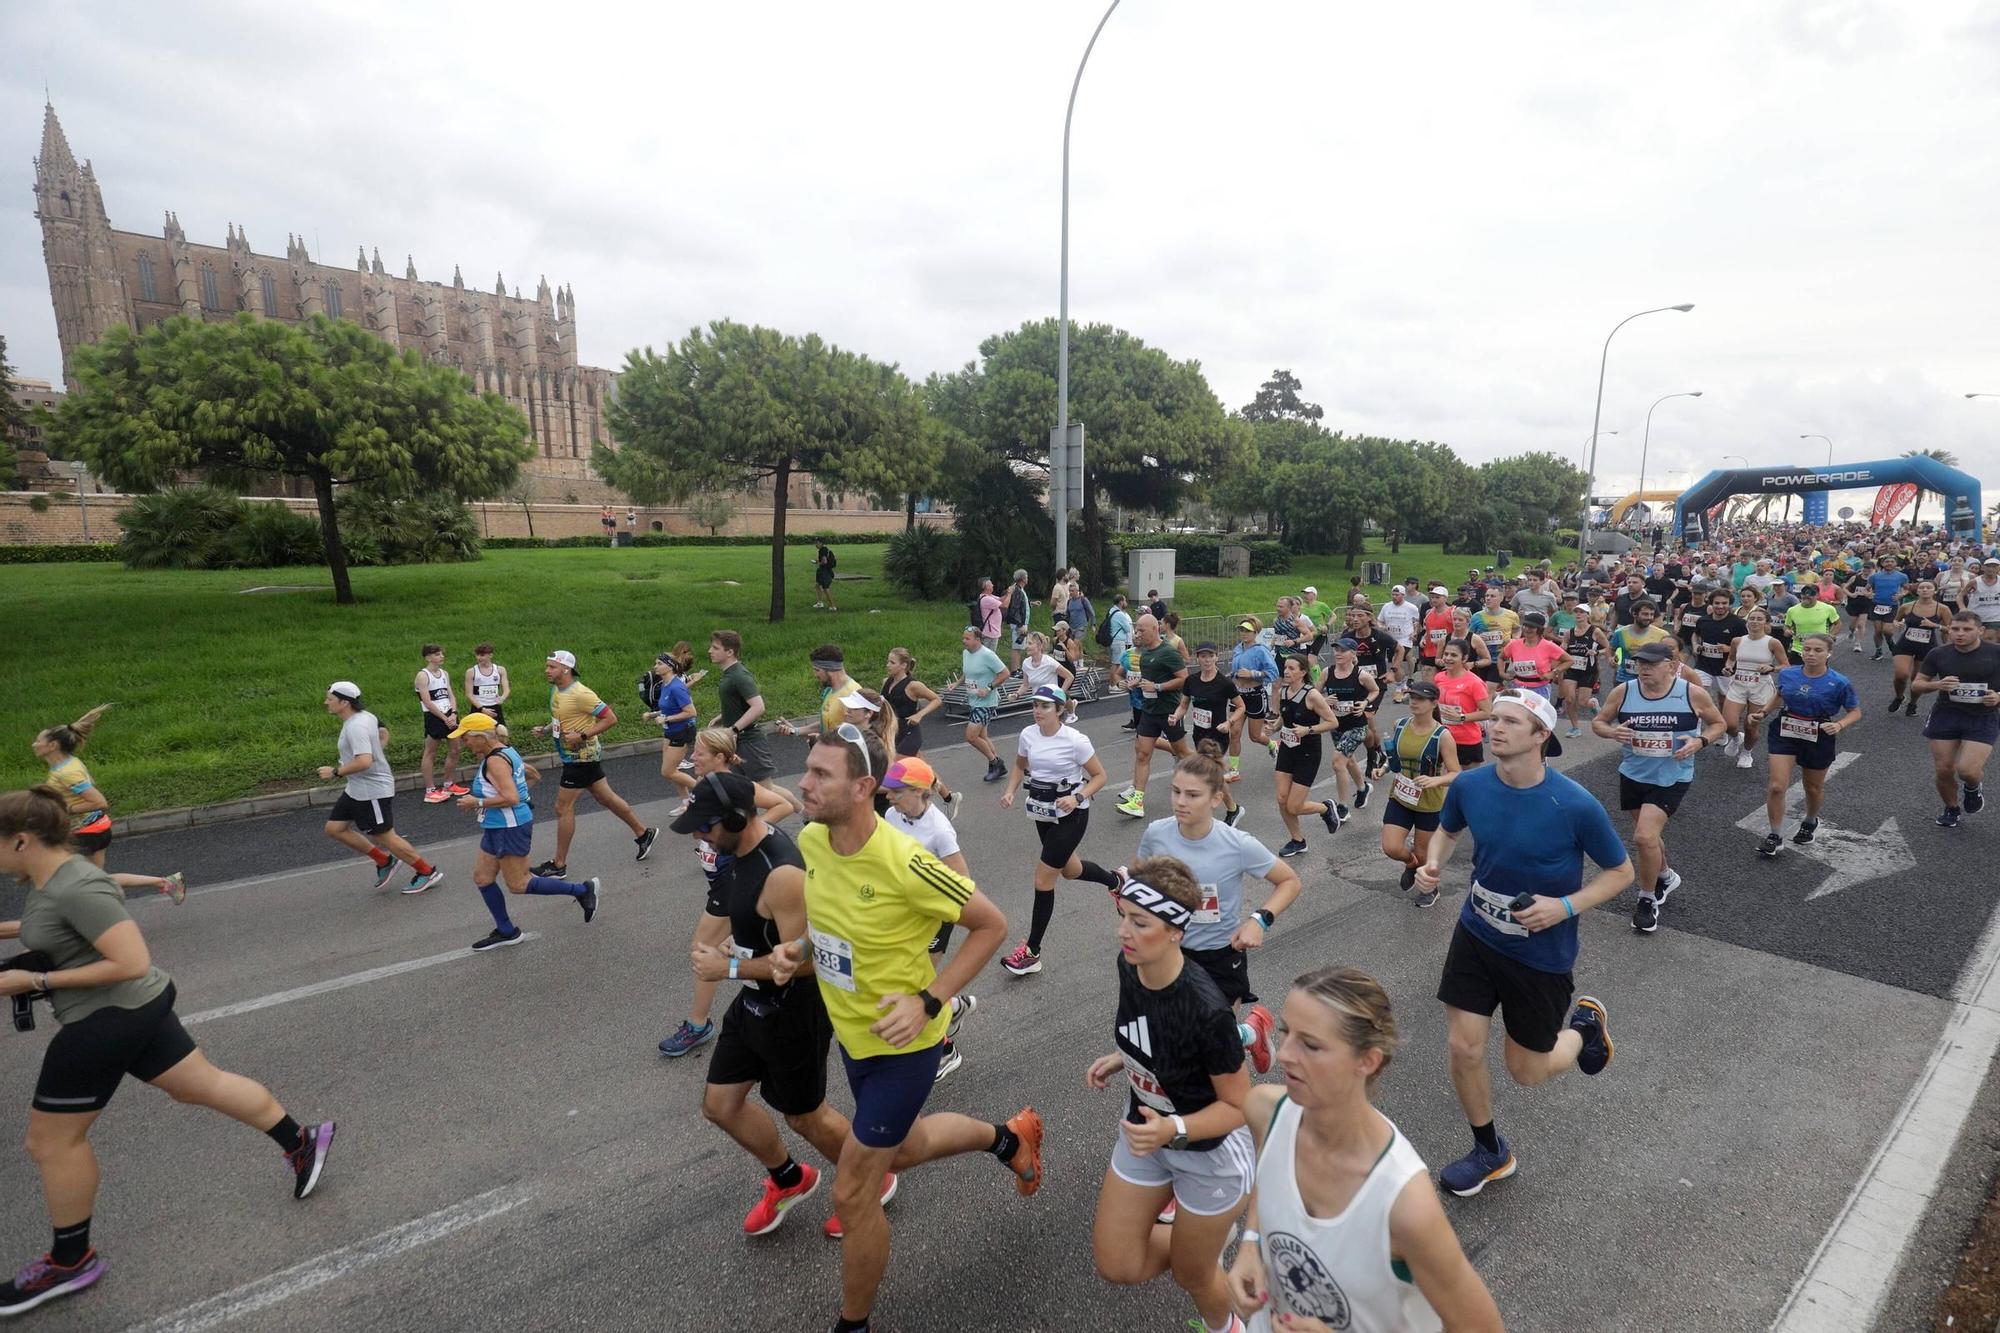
pixel 220 692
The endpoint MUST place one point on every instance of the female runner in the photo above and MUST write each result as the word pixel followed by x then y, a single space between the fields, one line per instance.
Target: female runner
pixel 1062 772
pixel 1749 690
pixel 1212 710
pixel 1816 704
pixel 1921 628
pixel 89 809
pixel 117 1015
pixel 1464 701
pixel 1423 760
pixel 1182 1137
pixel 1344 1229
pixel 1860 601
pixel 1586 642
pixel 912 701
pixel 673 708
pixel 1255 672
pixel 715 750
pixel 1352 692
pixel 1304 715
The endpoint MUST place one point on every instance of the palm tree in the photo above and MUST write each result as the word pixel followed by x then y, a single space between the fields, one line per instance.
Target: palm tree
pixel 1944 456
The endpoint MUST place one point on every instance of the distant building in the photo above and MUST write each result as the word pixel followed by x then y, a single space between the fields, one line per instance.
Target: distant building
pixel 31 459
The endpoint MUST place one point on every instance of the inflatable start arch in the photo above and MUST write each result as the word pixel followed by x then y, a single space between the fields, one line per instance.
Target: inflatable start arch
pixel 1962 511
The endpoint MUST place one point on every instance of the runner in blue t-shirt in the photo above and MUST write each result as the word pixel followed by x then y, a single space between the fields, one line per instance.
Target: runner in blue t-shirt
pixel 1516 940
pixel 1885 585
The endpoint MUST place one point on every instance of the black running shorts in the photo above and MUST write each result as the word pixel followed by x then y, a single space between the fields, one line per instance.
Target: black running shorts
pixel 435 727
pixel 1633 793
pixel 1301 761
pixel 1229 967
pixel 85 1062
pixel 778 1045
pixel 583 776
pixel 1061 838
pixel 1159 725
pixel 369 814
pixel 1478 979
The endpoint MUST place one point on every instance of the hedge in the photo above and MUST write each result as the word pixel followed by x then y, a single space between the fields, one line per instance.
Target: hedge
pixel 679 539
pixel 1199 553
pixel 58 555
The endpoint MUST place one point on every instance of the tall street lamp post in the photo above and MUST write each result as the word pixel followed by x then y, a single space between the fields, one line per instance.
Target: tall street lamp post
pixel 1597 418
pixel 1646 441
pixel 1829 446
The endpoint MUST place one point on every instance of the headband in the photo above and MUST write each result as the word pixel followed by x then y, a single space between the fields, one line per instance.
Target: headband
pixel 1161 906
pixel 828 664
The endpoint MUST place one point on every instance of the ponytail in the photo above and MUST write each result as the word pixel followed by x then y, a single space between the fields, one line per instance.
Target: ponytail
pixel 70 739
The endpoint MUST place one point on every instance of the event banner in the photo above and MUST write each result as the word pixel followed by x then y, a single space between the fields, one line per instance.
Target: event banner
pixel 1815 508
pixel 1891 501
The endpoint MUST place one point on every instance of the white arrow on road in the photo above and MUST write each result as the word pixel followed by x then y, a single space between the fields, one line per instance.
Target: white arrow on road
pixel 1853 856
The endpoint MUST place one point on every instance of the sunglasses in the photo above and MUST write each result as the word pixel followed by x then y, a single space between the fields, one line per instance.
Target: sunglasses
pixel 853 735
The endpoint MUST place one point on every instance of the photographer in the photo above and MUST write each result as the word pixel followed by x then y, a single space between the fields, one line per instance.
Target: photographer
pixel 117 1015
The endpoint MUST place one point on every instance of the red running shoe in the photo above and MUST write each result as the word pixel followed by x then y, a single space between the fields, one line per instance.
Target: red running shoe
pixel 771 1209
pixel 1261 1048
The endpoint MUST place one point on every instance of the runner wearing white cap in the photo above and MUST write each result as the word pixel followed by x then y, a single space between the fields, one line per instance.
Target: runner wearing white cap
pixel 577 718
pixel 364 816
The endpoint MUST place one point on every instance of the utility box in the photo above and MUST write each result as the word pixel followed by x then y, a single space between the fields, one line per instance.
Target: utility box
pixel 1375 573
pixel 1149 570
pixel 1232 561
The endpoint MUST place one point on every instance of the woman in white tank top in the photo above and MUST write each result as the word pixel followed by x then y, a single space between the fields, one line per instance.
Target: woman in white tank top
pixel 1750 684
pixel 1344 1229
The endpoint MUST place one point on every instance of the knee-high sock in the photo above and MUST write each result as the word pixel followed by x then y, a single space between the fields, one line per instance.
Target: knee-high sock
pixel 1097 874
pixel 562 888
pixel 496 903
pixel 1038 924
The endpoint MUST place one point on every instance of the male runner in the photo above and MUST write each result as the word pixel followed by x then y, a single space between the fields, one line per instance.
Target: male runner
pixel 1965 720
pixel 1982 597
pixel 742 705
pixel 1628 639
pixel 874 900
pixel 364 817
pixel 1531 829
pixel 577 717
pixel 1885 586
pixel 1162 673
pixel 1376 653
pixel 1663 721
pixel 829 668
pixel 1437 626
pixel 1400 618
pixel 984 673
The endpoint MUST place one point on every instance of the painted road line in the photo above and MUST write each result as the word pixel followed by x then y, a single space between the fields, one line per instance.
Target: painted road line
pixel 1843 1288
pixel 332 984
pixel 1853 856
pixel 300 1278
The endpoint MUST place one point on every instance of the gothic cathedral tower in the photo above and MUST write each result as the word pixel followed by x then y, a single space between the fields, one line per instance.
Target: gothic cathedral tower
pixel 84 278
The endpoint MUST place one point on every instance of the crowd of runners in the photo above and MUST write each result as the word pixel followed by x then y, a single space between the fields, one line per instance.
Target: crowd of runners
pixel 1290 1204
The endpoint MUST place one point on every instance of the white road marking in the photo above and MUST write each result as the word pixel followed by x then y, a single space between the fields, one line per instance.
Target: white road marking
pixel 332 984
pixel 1843 1288
pixel 1853 856
pixel 300 1278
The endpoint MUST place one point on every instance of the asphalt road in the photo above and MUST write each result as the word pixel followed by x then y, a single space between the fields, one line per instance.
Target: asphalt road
pixel 513 1151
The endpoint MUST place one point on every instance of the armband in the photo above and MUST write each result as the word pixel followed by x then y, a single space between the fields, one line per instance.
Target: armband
pixel 1568 907
pixel 732 969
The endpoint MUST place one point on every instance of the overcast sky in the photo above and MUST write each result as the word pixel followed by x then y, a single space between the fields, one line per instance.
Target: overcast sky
pixel 1431 213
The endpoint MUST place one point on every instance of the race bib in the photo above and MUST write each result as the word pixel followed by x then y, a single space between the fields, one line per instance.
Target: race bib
pixel 1147 1088
pixel 1451 713
pixel 1201 719
pixel 1970 692
pixel 1407 791
pixel 1435 637
pixel 1209 913
pixel 1523 670
pixel 1915 635
pixel 1346 707
pixel 1043 811
pixel 739 951
pixel 1795 728
pixel 833 958
pixel 1748 678
pixel 1494 638
pixel 1492 908
pixel 1718 651
pixel 1689 619
pixel 1577 663
pixel 1288 737
pixel 1884 610
pixel 1653 743
pixel 706 855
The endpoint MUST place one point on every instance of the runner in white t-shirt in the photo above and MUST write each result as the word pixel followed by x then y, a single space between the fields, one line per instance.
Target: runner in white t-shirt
pixel 1402 618
pixel 1061 770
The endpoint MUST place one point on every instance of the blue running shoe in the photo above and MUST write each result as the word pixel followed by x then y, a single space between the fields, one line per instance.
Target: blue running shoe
pixel 1296 847
pixel 686 1038
pixel 1949 819
pixel 1330 817
pixel 1593 1022
pixel 384 872
pixel 1478 1169
pixel 1974 799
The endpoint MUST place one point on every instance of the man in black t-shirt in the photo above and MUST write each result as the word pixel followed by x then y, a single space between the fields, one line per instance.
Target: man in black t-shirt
pixel 1965 720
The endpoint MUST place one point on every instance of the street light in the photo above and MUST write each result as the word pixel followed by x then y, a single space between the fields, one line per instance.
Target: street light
pixel 1597 417
pixel 1647 440
pixel 1983 395
pixel 1829 447
pixel 1738 457
pixel 1058 467
pixel 83 510
pixel 1583 453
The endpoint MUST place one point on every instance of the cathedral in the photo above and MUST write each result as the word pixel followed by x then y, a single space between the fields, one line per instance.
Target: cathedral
pixel 525 350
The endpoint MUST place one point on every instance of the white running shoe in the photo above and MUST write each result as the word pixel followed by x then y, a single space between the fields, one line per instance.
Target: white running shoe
pixel 1746 760
pixel 1732 743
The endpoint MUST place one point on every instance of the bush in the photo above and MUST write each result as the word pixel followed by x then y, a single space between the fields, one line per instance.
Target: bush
pixel 265 535
pixel 691 539
pixel 58 555
pixel 186 527
pixel 407 530
pixel 923 562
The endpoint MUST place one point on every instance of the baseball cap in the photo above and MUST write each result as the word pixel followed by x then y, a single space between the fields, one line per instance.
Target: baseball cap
pixel 1991 560
pixel 563 657
pixel 1659 650
pixel 1534 705
pixel 715 796
pixel 472 722
pixel 1050 694
pixel 1205 647
pixel 1423 689
pixel 1535 618
pixel 912 772
pixel 1347 645
pixel 346 689
pixel 1439 590
pixel 1314 591
pixel 856 699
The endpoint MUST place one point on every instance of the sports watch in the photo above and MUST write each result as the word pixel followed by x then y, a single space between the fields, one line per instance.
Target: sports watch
pixel 932 1004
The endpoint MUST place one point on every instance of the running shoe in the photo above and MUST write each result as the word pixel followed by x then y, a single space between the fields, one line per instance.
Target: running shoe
pixel 832 1224
pixel 308 1160
pixel 644 842
pixel 176 888
pixel 686 1038
pixel 1857 647
pixel 1773 844
pixel 1361 797
pixel 949 1060
pixel 1896 703
pixel 1746 760
pixel 418 883
pixel 1593 1022
pixel 995 771
pixel 1429 897
pixel 686 766
pixel 497 939
pixel 551 869
pixel 678 810
pixel 1261 1049
pixel 1669 880
pixel 1949 819
pixel 1340 810
pixel 1133 725
pixel 1134 805
pixel 384 872
pixel 1296 847
pixel 952 804
pixel 1974 800
pixel 961 1009
pixel 1573 732
pixel 588 901
pixel 1478 1169
pixel 1807 829
pixel 1330 817
pixel 1165 1217
pixel 1409 878
pixel 1026 1163
pixel 1646 914
pixel 436 795
pixel 1732 743
pixel 43 1280
pixel 1022 961
pixel 458 789
pixel 1910 709
pixel 770 1209
pixel 1877 657
pixel 1232 815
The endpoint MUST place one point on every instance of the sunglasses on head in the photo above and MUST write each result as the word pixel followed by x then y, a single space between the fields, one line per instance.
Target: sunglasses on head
pixel 854 736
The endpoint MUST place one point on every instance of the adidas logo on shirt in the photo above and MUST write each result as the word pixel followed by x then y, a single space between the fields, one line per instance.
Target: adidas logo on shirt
pixel 1136 1033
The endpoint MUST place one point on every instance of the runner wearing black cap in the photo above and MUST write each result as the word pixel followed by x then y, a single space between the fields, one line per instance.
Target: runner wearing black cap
pixel 1423 760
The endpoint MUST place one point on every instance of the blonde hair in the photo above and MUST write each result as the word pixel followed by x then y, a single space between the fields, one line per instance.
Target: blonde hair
pixel 69 739
pixel 1366 1021
pixel 722 740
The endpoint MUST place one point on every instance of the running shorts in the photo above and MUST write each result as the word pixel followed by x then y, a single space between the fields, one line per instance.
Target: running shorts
pixel 1255 703
pixel 1478 979
pixel 1813 754
pixel 373 814
pixel 780 1045
pixel 1230 969
pixel 889 1092
pixel 823 577
pixel 85 1061
pixel 1349 739
pixel 93 837
pixel 1952 724
pixel 1301 761
pixel 435 727
pixel 1470 756
pixel 1394 812
pixel 979 717
pixel 753 755
pixel 909 739
pixel 1759 696
pixel 1860 606
pixel 1633 793
pixel 1162 726
pixel 1061 838
pixel 582 776
pixel 1206 1183
pixel 495 711
pixel 1199 734
pixel 681 733
pixel 1883 615
pixel 516 841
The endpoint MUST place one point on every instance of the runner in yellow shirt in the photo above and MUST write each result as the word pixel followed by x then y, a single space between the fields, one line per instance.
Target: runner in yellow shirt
pixel 577 718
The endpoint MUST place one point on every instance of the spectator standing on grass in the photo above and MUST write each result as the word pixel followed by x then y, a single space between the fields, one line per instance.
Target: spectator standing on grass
pixel 1015 617
pixel 989 607
pixel 632 523
pixel 824 561
pixel 609 523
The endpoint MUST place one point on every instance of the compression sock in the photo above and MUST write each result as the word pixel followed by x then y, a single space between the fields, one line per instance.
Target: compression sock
pixel 421 866
pixel 287 1134
pixel 1486 1137
pixel 786 1176
pixel 496 903
pixel 1005 1141
pixel 562 888
pixel 71 1244
pixel 1038 924
pixel 1097 874
pixel 380 857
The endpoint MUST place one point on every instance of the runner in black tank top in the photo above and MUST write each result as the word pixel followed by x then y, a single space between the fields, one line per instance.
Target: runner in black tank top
pixel 909 734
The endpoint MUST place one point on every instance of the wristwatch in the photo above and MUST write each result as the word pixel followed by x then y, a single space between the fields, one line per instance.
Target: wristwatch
pixel 932 1004
pixel 1180 1138
pixel 1263 917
